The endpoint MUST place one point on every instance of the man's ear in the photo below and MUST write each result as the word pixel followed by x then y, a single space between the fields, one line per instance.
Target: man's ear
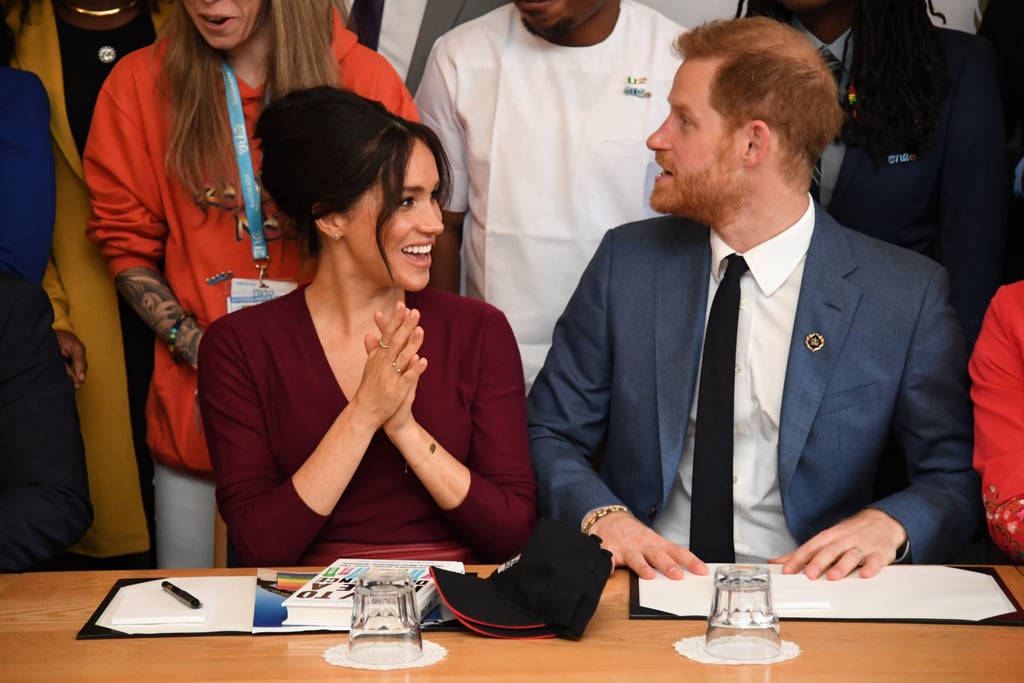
pixel 758 138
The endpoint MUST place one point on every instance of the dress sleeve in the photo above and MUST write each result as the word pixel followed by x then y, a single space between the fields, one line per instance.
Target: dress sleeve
pixel 499 511
pixel 128 220
pixel 997 375
pixel 268 523
pixel 27 181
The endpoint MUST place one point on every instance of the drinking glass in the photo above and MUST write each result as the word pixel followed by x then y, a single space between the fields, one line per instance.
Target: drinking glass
pixel 385 622
pixel 742 624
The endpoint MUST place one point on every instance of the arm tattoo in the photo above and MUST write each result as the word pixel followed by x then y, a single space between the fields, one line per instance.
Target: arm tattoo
pixel 149 294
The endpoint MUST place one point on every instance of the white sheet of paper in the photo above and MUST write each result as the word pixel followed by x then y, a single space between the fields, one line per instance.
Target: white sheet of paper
pixel 149 603
pixel 899 592
pixel 231 611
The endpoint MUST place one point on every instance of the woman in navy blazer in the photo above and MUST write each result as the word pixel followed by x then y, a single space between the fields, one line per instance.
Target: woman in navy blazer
pixel 924 164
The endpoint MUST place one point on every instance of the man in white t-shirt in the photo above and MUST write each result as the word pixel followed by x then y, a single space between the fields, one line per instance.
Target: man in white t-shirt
pixel 544 109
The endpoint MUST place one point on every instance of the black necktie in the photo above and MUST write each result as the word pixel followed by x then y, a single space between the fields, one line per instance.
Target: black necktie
pixel 366 15
pixel 836 67
pixel 711 509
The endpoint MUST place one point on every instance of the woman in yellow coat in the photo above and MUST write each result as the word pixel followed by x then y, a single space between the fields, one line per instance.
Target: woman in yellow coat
pixel 49 33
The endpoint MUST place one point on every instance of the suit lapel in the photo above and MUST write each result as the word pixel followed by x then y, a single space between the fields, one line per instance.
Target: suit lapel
pixel 680 305
pixel 827 304
pixel 438 17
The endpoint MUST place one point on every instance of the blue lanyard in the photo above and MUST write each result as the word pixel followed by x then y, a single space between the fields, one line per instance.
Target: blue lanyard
pixel 250 193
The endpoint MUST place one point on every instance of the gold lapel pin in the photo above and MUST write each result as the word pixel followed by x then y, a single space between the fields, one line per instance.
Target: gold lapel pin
pixel 814 342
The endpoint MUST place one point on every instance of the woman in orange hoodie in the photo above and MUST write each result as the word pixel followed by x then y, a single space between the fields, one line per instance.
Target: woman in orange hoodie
pixel 178 211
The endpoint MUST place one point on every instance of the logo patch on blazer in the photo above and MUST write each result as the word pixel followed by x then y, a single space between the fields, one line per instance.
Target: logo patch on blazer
pixel 904 158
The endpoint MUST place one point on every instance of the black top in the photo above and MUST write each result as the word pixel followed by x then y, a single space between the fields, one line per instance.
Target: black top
pixel 86 59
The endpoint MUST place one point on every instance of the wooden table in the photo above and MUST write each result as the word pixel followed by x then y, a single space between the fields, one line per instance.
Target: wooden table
pixel 41 613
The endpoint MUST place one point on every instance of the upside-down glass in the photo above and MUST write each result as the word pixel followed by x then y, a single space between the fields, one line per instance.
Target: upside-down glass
pixel 742 624
pixel 385 626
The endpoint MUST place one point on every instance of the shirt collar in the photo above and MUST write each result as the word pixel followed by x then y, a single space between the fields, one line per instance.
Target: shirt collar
pixel 773 261
pixel 837 47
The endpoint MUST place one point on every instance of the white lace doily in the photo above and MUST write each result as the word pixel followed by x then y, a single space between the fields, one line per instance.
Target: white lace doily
pixel 693 648
pixel 432 654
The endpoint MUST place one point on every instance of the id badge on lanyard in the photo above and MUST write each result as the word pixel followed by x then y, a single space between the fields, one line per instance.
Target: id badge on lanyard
pixel 248 292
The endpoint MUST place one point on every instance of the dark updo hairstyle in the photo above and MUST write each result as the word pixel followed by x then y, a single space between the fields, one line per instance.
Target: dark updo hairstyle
pixel 324 148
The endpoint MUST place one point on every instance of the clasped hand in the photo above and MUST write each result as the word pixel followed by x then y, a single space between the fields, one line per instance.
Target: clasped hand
pixel 393 368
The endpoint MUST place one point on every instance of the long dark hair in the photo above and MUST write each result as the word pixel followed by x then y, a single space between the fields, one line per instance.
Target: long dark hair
pixel 898 73
pixel 324 148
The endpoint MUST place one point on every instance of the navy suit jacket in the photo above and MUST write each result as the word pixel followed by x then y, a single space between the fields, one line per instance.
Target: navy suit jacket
pixel 44 489
pixel 949 201
pixel 620 379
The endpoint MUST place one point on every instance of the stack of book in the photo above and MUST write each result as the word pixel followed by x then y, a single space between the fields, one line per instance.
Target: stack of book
pixel 324 601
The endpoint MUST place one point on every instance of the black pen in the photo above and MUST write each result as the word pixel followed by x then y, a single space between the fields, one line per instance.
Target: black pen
pixel 183 596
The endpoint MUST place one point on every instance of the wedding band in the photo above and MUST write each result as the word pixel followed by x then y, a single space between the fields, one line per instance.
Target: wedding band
pixel 381 344
pixel 861 555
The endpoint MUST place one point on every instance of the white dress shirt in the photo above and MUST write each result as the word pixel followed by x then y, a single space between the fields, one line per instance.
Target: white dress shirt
pixel 769 293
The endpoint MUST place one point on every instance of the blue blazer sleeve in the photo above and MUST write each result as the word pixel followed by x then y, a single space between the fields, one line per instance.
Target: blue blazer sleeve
pixel 27 181
pixel 607 414
pixel 932 423
pixel 570 401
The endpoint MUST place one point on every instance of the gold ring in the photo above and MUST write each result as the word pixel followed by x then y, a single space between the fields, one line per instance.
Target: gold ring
pixel 862 556
pixel 394 364
pixel 381 344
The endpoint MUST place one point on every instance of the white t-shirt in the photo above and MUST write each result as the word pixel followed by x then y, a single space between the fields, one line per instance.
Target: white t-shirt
pixel 548 151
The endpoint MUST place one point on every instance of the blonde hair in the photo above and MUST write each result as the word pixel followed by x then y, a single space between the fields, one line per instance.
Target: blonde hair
pixel 770 72
pixel 200 140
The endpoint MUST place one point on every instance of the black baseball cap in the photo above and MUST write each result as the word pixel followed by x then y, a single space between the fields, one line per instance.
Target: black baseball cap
pixel 550 588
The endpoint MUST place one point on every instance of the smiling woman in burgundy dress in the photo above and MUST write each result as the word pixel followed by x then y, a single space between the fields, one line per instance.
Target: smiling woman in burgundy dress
pixel 330 434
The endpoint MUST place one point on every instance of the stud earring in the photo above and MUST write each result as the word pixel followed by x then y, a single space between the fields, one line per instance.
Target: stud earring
pixel 335 235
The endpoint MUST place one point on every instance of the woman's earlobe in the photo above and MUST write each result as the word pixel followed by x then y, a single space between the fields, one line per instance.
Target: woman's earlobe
pixel 332 225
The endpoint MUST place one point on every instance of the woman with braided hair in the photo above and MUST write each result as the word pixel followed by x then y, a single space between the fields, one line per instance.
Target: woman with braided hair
pixel 920 162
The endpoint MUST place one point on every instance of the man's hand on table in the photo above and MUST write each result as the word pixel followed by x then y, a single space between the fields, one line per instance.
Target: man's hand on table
pixel 635 545
pixel 868 540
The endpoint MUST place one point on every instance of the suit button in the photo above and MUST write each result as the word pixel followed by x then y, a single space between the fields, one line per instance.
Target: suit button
pixel 654 511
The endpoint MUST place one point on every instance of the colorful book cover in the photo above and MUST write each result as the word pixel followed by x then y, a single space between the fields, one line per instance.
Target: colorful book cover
pixel 326 599
pixel 272 589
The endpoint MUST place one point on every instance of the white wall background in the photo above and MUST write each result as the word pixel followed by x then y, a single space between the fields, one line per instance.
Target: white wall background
pixel 960 14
